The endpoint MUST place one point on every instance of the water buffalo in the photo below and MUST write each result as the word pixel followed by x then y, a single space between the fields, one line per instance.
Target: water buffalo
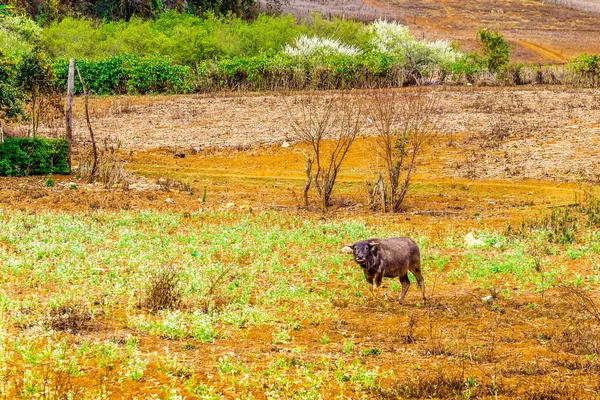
pixel 388 258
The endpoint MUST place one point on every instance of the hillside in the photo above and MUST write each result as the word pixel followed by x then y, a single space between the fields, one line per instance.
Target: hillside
pixel 539 31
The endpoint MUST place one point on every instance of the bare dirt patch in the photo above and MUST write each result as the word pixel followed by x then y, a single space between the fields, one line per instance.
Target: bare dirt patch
pixel 491 133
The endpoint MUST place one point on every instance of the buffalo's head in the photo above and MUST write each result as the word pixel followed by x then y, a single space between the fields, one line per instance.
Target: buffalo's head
pixel 363 250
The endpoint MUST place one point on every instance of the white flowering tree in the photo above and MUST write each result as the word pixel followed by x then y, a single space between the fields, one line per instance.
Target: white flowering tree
pixel 395 39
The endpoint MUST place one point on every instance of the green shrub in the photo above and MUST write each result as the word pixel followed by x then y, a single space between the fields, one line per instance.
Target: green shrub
pixel 467 67
pixel 494 48
pixel 128 74
pixel 33 156
pixel 585 68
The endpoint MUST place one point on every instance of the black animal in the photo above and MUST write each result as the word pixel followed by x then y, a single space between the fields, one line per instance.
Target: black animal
pixel 389 258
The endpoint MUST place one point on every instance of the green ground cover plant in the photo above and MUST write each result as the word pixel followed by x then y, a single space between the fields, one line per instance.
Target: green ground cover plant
pixel 70 278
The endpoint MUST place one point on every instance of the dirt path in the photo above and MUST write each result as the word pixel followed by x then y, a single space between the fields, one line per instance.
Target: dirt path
pixel 543 51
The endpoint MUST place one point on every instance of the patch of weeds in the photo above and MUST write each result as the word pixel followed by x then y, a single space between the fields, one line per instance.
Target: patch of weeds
pixel 348 346
pixel 557 226
pixel 135 364
pixel 49 182
pixel 202 390
pixel 364 377
pixel 227 366
pixel 106 354
pixel 202 327
pixel 173 367
pixel 164 290
pixel 189 346
pixel 72 318
pixel 370 352
pixel 282 337
pixel 441 385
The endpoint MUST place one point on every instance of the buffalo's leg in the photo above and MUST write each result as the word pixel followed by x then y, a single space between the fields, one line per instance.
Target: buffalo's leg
pixel 420 280
pixel 405 285
pixel 371 287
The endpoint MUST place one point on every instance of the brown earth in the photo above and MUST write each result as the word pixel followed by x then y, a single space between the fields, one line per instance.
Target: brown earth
pixel 493 133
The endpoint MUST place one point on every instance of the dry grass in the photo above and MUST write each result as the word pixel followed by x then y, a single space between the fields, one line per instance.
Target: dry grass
pixel 72 318
pixel 164 290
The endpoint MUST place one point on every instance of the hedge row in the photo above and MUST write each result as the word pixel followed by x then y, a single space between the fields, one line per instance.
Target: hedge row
pixel 33 156
pixel 128 74
pixel 145 75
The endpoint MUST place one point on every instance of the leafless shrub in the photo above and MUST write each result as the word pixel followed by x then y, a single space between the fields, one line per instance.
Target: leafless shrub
pixel 214 299
pixel 168 185
pixel 109 170
pixel 408 336
pixel 404 121
pixel 164 290
pixel 337 117
pixel 68 317
pixel 579 300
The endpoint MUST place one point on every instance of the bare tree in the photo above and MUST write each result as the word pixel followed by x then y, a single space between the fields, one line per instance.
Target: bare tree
pixel 89 124
pixel 338 118
pixel 404 121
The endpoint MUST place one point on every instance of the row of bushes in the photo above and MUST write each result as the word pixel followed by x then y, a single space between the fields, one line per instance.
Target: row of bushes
pixel 144 75
pixel 126 74
pixel 33 156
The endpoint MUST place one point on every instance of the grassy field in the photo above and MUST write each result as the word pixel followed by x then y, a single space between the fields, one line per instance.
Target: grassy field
pixel 210 300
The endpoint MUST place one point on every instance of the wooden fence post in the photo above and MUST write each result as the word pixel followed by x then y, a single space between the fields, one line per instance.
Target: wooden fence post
pixel 69 113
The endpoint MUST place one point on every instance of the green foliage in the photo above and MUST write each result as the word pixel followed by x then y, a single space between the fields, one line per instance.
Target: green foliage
pixel 184 38
pixel 586 64
pixel 18 34
pixel 494 48
pixel 586 68
pixel 282 72
pixel 11 98
pixel 127 74
pixel 33 156
pixel 45 11
pixel 3 9
pixel 469 67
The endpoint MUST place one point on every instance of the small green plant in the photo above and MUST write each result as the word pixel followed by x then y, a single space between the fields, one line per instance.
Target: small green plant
pixel 282 337
pixel 370 352
pixel 348 346
pixel 324 339
pixel 49 181
pixel 228 366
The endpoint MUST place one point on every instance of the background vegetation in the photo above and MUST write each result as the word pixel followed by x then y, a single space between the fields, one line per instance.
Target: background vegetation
pixel 163 47
pixel 35 156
